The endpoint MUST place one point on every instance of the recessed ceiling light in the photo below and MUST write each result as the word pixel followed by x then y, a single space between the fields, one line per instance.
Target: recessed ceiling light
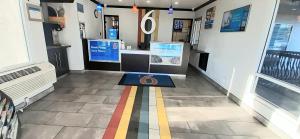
pixel 176 2
pixel 148 1
pixel 294 9
pixel 120 0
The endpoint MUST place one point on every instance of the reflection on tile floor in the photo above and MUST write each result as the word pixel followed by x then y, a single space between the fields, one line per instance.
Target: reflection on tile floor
pixel 82 104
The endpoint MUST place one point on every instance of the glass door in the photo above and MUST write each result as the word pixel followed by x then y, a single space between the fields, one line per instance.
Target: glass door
pixel 278 78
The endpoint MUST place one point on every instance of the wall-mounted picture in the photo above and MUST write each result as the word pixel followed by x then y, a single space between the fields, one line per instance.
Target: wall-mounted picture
pixel 235 20
pixel 34 12
pixel 178 25
pixel 210 16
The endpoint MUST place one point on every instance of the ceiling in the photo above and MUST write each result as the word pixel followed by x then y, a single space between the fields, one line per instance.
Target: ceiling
pixel 186 4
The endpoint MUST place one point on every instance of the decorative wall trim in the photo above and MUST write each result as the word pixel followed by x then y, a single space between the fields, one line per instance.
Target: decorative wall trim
pixel 204 4
pixel 152 8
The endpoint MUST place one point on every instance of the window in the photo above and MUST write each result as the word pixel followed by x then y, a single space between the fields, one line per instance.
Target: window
pixel 279 75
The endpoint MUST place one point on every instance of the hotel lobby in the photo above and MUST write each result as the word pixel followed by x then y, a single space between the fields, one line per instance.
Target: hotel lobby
pixel 150 69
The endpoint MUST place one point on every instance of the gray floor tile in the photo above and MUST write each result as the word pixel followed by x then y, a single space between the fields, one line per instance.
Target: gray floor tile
pixel 30 131
pixel 90 99
pixel 210 127
pixel 236 137
pixel 36 117
pixel 192 136
pixel 113 100
pixel 179 127
pixel 99 121
pixel 61 97
pixel 105 92
pixel 80 133
pixel 70 119
pixel 65 106
pixel 251 129
pixel 40 105
pixel 98 108
pixel 83 91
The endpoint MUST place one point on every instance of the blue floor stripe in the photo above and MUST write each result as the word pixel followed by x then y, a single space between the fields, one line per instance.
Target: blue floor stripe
pixel 144 116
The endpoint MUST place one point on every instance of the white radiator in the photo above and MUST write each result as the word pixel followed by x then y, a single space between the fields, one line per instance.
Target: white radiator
pixel 26 82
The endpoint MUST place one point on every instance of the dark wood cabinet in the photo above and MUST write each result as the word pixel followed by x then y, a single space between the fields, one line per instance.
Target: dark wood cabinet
pixel 59 58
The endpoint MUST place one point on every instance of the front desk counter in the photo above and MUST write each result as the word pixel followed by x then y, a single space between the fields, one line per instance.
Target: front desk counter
pixel 137 61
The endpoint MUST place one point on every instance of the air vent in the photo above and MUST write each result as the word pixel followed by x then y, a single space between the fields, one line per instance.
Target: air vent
pixel 18 74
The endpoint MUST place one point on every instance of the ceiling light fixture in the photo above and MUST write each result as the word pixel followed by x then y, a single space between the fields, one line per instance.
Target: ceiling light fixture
pixel 171 10
pixel 148 1
pixel 176 2
pixel 134 8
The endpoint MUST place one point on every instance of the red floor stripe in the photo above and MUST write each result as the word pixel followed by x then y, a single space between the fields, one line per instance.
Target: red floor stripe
pixel 116 117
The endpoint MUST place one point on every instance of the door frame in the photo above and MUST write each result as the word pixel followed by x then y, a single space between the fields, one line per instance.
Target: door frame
pixel 261 106
pixel 190 19
pixel 118 35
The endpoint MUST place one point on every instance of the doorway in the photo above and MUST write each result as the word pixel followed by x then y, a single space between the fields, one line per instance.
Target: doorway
pixel 278 78
pixel 111 26
pixel 182 30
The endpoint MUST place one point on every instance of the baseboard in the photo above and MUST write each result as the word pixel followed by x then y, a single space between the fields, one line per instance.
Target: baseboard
pixel 181 76
pixel 214 83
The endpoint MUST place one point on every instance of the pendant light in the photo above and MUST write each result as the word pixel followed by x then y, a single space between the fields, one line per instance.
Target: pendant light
pixel 134 8
pixel 171 10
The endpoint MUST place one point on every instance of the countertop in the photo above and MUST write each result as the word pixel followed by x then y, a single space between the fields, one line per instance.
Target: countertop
pixel 198 51
pixel 135 51
pixel 57 46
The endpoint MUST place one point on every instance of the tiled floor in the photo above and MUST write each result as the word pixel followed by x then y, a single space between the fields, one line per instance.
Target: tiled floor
pixel 82 105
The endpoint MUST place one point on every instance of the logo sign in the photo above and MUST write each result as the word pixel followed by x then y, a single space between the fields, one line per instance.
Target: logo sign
pixel 145 18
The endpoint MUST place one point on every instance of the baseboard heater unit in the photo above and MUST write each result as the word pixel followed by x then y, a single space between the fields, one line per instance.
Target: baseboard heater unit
pixel 27 82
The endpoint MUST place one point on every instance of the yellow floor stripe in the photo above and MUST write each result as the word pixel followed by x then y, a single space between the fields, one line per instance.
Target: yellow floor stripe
pixel 164 128
pixel 124 123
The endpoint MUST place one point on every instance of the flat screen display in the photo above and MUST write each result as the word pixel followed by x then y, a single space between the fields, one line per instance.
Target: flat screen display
pixel 104 51
pixel 166 53
pixel 235 20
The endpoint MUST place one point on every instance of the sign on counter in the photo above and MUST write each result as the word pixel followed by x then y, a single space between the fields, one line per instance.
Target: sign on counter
pixel 104 51
pixel 166 53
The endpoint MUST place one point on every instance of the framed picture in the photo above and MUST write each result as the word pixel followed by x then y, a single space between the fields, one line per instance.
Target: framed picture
pixel 178 25
pixel 34 12
pixel 210 16
pixel 235 20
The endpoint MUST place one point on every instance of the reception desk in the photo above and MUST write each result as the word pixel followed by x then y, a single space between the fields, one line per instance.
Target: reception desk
pixel 137 61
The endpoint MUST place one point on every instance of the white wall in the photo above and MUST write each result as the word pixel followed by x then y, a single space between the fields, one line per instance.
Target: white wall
pixel 166 23
pixel 234 57
pixel 71 33
pixel 93 26
pixel 13 49
pixel 294 43
pixel 128 24
pixel 35 36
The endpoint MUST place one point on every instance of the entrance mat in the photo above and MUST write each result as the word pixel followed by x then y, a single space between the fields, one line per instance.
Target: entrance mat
pixel 147 80
pixel 140 114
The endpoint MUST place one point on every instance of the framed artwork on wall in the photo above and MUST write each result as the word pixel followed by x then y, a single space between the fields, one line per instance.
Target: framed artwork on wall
pixel 235 20
pixel 34 12
pixel 210 16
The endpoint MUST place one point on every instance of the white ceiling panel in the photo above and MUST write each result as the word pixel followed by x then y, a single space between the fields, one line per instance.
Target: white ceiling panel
pixel 186 4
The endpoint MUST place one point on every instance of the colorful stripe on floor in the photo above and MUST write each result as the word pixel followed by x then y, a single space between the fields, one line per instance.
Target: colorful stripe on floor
pixel 140 114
